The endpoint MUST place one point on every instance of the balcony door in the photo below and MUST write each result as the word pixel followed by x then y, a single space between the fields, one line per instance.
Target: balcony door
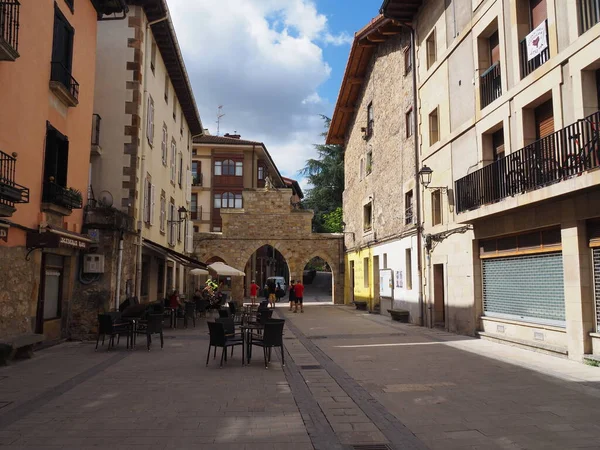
pixel 62 47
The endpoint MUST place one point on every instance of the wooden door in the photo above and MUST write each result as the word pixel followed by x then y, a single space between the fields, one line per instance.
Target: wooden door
pixel 439 296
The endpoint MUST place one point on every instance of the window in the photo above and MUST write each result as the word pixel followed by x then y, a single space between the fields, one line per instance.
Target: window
pixel 368 216
pixel 197 173
pixel 56 160
pixel 194 152
pixel 163 210
pixel 369 162
pixel 385 261
pixel 173 161
pixel 229 168
pixel 172 223
pixel 261 173
pixel 194 207
pixel 370 119
pixel 436 207
pixel 53 282
pixel 410 123
pixel 366 272
pixel 148 191
pixel 408 262
pixel 239 168
pixel 181 123
pixel 407 59
pixel 228 200
pixel 167 88
pixel 218 168
pixel 62 49
pixel 180 179
pixel 434 132
pixel 153 57
pixel 408 208
pixel 163 145
pixel 431 50
pixel 196 229
pixel 150 118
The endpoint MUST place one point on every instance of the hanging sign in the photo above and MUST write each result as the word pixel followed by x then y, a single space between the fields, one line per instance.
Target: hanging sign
pixel 537 41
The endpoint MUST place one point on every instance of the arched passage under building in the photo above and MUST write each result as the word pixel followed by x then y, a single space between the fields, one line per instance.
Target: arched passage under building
pixel 318 280
pixel 264 263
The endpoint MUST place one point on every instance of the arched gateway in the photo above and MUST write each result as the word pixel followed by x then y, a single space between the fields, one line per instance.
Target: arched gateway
pixel 268 219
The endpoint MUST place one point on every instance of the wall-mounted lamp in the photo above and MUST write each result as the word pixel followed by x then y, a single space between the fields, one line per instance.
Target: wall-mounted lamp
pixel 182 215
pixel 347 232
pixel 425 175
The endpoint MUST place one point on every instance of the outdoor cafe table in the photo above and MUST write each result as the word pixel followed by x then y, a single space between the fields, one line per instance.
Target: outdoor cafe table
pixel 247 337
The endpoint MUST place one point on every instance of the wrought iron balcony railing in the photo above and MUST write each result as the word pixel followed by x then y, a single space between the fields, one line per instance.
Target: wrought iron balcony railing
pixel 589 14
pixel 197 180
pixel 529 65
pixel 10 192
pixel 490 85
pixel 61 74
pixel 9 29
pixel 62 196
pixel 566 153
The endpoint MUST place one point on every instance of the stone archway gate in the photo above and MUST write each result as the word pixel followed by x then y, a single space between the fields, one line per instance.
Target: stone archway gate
pixel 269 219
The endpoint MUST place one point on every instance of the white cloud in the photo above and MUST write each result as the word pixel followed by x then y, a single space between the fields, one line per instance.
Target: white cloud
pixel 262 60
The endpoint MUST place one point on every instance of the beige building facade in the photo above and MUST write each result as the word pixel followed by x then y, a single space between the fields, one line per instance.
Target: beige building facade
pixel 374 121
pixel 508 100
pixel 140 164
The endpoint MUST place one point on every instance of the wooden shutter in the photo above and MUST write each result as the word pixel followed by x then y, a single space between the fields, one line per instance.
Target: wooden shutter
pixel 146 211
pixel 152 203
pixel 544 120
pixel 188 186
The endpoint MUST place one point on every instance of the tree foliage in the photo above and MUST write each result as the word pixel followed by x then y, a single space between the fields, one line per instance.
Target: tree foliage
pixel 326 175
pixel 332 222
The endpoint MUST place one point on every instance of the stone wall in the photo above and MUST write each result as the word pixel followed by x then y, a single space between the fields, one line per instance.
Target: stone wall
pixel 268 219
pixel 389 90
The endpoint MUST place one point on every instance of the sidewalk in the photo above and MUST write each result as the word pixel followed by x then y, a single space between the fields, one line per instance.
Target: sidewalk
pixel 350 379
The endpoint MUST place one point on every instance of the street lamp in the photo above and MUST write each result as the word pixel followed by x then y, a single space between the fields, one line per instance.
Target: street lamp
pixel 425 175
pixel 182 215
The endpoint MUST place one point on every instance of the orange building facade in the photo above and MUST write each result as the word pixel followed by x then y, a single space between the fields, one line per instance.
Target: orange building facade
pixel 47 74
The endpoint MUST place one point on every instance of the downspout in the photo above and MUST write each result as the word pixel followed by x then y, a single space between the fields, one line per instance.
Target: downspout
pixel 119 269
pixel 416 149
pixel 138 277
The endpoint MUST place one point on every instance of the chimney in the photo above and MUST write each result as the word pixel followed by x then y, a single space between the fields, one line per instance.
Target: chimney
pixel 232 136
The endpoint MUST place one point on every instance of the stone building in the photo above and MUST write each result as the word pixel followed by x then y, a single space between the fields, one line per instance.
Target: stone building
pixel 509 94
pixel 374 121
pixel 140 162
pixel 268 218
pixel 47 75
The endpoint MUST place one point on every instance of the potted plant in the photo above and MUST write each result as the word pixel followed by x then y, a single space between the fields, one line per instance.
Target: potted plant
pixel 74 198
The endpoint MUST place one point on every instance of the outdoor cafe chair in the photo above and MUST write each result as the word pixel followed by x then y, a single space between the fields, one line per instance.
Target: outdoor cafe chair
pixel 218 338
pixel 152 325
pixel 224 313
pixel 111 325
pixel 272 337
pixel 229 325
pixel 189 313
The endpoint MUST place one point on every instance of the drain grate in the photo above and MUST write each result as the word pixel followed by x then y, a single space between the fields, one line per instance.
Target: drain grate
pixel 371 447
pixel 3 404
pixel 311 367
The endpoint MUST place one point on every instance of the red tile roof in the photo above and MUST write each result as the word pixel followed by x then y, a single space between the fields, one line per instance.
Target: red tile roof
pixel 223 140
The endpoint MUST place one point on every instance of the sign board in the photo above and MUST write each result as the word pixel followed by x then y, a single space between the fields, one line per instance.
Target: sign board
pixel 53 240
pixel 386 283
pixel 399 279
pixel 537 41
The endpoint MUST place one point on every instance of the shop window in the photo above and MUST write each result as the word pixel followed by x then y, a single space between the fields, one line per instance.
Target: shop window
pixel 408 263
pixel 436 207
pixel 53 282
pixel 431 49
pixel 434 127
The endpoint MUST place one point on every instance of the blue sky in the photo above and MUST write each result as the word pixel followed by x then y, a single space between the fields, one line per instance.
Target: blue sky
pixel 274 65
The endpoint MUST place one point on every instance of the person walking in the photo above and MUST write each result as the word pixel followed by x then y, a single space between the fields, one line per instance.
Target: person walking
pixel 272 288
pixel 279 292
pixel 253 292
pixel 292 295
pixel 299 291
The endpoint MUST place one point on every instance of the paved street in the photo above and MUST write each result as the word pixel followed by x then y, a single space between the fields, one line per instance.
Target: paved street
pixel 350 378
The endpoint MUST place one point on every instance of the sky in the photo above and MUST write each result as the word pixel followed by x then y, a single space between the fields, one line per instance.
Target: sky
pixel 274 66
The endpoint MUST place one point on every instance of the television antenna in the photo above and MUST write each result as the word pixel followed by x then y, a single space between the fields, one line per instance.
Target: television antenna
pixel 220 114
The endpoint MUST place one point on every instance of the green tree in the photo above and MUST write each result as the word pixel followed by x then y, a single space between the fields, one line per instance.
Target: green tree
pixel 332 222
pixel 326 175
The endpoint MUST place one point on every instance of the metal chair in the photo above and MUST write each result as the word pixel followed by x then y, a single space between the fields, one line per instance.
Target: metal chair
pixel 218 338
pixel 152 325
pixel 111 325
pixel 272 337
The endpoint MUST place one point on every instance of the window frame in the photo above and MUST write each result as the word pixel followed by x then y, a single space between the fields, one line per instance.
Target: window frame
pixel 409 208
pixel 410 122
pixel 150 121
pixel 173 161
pixel 368 213
pixel 163 211
pixel 165 145
pixel 431 49
pixel 408 59
pixel 434 131
pixel 436 207
pixel 153 57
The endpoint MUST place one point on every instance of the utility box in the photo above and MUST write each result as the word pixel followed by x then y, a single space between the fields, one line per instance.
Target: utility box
pixel 93 263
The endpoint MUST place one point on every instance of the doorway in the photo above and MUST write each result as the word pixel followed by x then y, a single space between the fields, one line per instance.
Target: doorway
pixel 376 281
pixel 439 301
pixel 351 281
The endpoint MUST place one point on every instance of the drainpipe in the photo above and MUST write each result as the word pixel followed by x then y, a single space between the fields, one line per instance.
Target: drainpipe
pixel 119 269
pixel 413 49
pixel 138 277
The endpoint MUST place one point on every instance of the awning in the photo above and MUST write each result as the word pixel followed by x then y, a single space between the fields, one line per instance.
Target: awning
pixel 224 270
pixel 50 237
pixel 179 257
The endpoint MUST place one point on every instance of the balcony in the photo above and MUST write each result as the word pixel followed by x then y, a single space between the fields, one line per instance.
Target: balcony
pixel 538 57
pixel 566 153
pixel 589 14
pixel 68 198
pixel 490 85
pixel 96 148
pixel 9 30
pixel 197 180
pixel 10 192
pixel 63 84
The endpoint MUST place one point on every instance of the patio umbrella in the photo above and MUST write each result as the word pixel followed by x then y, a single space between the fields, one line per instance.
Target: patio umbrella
pixel 225 270
pixel 198 271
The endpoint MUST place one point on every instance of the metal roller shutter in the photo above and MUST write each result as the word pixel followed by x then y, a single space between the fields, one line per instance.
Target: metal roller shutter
pixel 596 258
pixel 528 288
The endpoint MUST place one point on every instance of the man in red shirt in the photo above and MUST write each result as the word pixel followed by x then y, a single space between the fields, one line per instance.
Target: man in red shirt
pixel 299 291
pixel 253 292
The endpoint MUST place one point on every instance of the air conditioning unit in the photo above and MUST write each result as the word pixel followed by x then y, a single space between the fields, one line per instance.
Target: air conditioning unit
pixel 93 263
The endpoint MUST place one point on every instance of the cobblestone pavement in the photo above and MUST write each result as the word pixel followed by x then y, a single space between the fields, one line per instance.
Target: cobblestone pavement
pixel 350 379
